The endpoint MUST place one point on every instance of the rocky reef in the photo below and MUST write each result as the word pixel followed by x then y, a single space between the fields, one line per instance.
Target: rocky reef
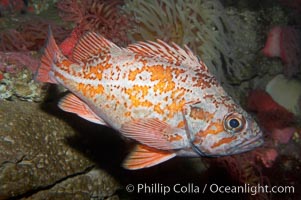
pixel 37 162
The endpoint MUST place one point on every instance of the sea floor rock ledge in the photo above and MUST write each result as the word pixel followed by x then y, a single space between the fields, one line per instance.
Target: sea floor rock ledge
pixel 37 163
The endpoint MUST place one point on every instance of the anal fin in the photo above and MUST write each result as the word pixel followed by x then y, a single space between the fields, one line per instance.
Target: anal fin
pixel 71 103
pixel 144 157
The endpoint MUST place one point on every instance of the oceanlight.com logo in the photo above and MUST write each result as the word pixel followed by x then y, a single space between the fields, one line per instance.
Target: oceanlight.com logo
pixel 251 189
pixel 191 188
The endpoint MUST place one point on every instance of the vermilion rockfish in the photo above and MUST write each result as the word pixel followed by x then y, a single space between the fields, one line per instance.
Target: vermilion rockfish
pixel 160 95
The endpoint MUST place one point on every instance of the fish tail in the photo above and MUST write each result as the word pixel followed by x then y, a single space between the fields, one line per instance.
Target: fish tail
pixel 51 52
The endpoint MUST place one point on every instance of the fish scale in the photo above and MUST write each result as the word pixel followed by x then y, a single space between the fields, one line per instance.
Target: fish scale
pixel 160 95
pixel 137 88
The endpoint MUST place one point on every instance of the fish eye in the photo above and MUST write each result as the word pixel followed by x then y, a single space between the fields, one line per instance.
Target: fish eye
pixel 234 122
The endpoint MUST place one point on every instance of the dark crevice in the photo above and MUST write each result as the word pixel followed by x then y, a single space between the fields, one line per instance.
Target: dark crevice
pixel 48 187
pixel 244 80
pixel 251 78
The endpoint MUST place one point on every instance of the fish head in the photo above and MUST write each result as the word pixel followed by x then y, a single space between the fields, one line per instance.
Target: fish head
pixel 221 129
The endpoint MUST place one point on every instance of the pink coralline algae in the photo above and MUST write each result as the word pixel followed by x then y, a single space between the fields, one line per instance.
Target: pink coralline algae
pixel 285 42
pixel 245 169
pixel 12 40
pixel 283 136
pixel 276 121
pixel 30 36
pixel 270 114
pixel 35 32
pixel 267 156
pixel 12 62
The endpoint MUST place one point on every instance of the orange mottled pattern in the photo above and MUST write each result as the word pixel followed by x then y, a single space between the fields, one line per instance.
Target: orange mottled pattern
pixel 89 90
pixel 173 138
pixel 213 129
pixel 164 79
pixel 134 83
pixel 160 95
pixel 223 141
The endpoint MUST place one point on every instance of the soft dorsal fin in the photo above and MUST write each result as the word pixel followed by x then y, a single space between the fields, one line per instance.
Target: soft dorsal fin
pixel 172 53
pixel 143 157
pixel 71 103
pixel 154 133
pixel 92 44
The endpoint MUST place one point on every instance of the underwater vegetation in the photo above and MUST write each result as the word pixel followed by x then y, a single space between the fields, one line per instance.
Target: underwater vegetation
pixel 13 62
pixel 12 6
pixel 30 35
pixel 101 16
pixel 231 42
pixel 202 25
pixel 22 36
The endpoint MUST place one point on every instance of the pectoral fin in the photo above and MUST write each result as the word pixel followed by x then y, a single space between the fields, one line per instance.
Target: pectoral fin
pixel 144 157
pixel 155 133
pixel 71 103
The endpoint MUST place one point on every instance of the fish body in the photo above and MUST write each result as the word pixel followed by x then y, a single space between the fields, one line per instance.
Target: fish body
pixel 158 94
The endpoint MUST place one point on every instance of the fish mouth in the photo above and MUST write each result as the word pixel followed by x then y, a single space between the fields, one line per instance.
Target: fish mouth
pixel 247 145
pixel 250 144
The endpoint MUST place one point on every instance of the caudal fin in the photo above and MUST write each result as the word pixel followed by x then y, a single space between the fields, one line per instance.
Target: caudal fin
pixel 51 50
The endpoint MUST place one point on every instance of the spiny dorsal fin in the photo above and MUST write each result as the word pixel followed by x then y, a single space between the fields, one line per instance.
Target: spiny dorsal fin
pixel 172 53
pixel 92 44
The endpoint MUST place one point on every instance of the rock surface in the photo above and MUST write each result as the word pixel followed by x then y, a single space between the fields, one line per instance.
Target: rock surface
pixel 36 161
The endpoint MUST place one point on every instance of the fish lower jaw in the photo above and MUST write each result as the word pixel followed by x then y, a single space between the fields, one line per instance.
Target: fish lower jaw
pixel 250 145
